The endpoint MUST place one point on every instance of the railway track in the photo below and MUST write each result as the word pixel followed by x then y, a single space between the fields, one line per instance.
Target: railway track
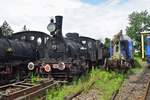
pixel 75 95
pixel 147 92
pixel 115 94
pixel 27 91
pixel 134 88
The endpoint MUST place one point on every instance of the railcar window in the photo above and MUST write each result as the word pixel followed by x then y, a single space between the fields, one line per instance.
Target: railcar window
pixel 83 42
pixel 117 46
pixel 90 45
pixel 39 41
pixel 32 38
pixel 45 39
pixel 23 38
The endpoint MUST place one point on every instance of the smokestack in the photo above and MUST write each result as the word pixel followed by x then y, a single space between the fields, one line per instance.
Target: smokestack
pixel 59 20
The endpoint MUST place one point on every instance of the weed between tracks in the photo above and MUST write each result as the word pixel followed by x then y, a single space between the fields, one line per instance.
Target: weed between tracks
pixel 105 82
pixel 138 65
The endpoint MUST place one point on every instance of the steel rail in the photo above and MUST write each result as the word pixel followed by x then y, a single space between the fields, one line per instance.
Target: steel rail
pixel 147 89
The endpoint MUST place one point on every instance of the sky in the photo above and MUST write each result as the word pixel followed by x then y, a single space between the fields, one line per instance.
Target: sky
pixel 93 18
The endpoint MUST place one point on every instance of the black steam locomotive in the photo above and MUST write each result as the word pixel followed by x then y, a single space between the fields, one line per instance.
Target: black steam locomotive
pixel 61 57
pixel 14 55
pixel 69 56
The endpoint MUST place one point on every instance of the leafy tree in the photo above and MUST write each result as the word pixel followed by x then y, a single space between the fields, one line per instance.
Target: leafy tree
pixel 136 22
pixel 106 43
pixel 6 29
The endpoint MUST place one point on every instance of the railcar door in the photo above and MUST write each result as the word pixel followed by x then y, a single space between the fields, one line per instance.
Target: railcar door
pixel 130 48
pixel 124 49
pixel 110 49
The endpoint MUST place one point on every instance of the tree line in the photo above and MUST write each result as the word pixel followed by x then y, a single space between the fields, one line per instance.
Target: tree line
pixel 138 22
pixel 6 30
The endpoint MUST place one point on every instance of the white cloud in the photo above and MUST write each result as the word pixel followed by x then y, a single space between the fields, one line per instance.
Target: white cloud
pixel 97 21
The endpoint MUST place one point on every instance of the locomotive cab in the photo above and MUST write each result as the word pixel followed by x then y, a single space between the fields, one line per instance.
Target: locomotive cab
pixel 88 49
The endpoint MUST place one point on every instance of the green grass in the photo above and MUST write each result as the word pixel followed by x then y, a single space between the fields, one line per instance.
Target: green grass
pixel 34 79
pixel 106 83
pixel 138 65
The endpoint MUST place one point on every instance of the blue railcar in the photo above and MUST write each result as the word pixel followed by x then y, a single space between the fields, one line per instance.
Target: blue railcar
pixel 124 48
pixel 147 49
pixel 121 53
